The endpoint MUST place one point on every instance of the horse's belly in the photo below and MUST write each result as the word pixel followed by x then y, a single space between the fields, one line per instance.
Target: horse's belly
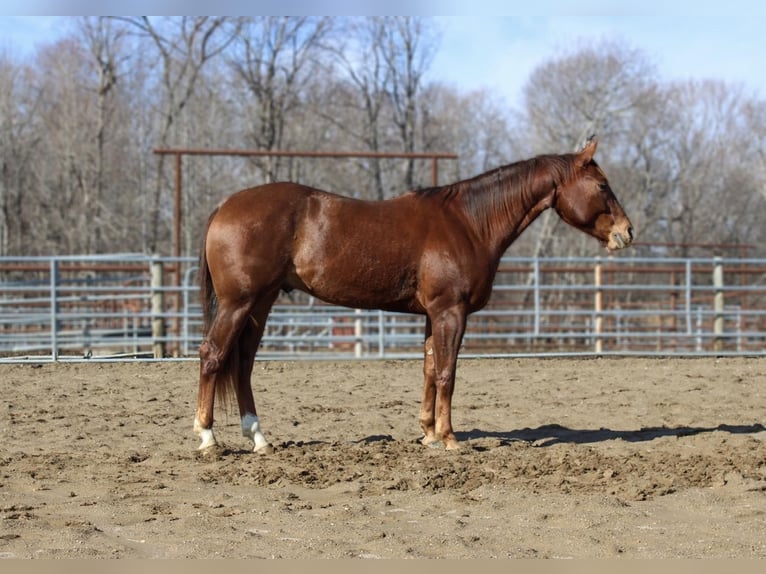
pixel 353 286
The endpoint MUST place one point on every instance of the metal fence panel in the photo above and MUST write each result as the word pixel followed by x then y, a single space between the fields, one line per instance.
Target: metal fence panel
pixel 120 307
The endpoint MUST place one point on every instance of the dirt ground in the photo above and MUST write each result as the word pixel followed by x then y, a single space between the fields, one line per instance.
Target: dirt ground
pixel 591 458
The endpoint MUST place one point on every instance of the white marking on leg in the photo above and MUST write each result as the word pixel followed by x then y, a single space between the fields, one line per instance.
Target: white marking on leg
pixel 206 435
pixel 251 428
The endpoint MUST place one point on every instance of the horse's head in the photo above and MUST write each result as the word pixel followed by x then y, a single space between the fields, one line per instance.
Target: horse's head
pixel 587 203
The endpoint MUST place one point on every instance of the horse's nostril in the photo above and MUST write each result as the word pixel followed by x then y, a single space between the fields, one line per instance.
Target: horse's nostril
pixel 630 233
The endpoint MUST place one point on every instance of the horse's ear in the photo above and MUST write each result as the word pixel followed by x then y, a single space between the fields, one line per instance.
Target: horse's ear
pixel 586 155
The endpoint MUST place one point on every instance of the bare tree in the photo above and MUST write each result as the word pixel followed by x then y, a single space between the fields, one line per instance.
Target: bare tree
pixel 66 116
pixel 77 117
pixel 19 101
pixel 476 125
pixel 361 60
pixel 79 121
pixel 273 58
pixel 710 184
pixel 381 62
pixel 755 119
pixel 408 49
pixel 206 180
pixel 185 45
pixel 102 38
pixel 596 88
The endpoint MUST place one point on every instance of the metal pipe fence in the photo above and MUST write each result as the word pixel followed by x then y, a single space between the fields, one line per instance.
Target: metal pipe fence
pixel 128 307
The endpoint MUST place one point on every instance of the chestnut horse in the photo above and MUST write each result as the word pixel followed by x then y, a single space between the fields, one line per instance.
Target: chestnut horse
pixel 432 252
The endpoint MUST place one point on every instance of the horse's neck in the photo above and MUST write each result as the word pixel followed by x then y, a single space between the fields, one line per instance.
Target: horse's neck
pixel 519 200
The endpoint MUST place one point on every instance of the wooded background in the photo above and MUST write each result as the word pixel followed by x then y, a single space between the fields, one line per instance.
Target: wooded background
pixel 79 121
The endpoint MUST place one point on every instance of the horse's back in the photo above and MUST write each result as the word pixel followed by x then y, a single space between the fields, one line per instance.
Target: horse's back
pixel 264 200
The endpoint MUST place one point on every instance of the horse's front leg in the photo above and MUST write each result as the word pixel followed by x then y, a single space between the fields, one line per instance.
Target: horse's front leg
pixel 448 328
pixel 216 366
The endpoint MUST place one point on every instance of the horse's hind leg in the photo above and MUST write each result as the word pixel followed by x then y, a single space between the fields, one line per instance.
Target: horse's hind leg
pixel 203 420
pixel 248 343
pixel 215 366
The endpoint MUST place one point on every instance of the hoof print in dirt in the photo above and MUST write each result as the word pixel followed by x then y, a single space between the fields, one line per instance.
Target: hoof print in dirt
pixel 215 452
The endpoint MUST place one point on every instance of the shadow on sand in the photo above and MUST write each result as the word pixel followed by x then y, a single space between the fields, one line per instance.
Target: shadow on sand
pixel 548 435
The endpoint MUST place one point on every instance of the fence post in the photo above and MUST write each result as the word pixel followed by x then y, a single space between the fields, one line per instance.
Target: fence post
pixel 688 299
pixel 536 286
pixel 598 306
pixel 381 334
pixel 718 305
pixel 54 309
pixel 158 305
pixel 358 333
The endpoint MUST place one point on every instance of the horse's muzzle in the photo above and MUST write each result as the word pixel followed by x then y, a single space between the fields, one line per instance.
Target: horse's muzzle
pixel 620 239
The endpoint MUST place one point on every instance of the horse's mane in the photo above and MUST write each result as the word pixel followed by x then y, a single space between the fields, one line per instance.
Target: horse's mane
pixel 506 188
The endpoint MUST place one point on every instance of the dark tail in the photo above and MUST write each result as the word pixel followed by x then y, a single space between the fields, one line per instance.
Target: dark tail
pixel 225 382
pixel 207 293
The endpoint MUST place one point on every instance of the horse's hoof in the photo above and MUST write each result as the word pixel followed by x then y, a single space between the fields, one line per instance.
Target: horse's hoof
pixel 451 445
pixel 207 445
pixel 267 448
pixel 436 443
pixel 207 438
pixel 430 440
